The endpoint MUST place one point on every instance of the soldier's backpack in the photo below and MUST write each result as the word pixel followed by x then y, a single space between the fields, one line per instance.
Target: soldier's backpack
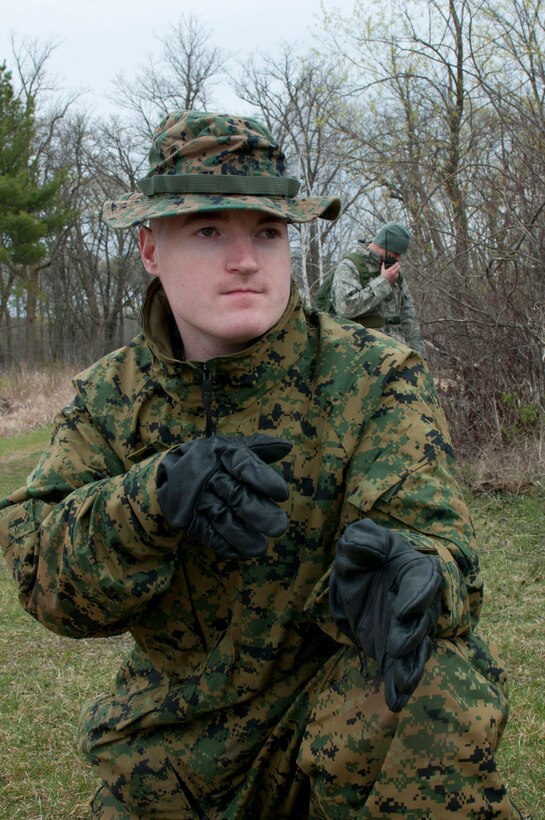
pixel 323 302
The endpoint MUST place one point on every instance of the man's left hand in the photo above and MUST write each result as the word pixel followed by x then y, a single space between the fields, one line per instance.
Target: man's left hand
pixel 387 596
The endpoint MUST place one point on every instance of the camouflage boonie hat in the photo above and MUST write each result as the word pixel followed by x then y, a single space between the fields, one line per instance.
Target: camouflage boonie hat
pixel 201 161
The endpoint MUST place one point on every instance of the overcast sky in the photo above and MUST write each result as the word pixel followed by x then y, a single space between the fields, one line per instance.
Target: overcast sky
pixel 100 38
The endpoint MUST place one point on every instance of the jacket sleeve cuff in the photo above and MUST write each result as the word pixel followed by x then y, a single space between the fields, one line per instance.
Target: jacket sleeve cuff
pixel 139 505
pixel 455 618
pixel 380 287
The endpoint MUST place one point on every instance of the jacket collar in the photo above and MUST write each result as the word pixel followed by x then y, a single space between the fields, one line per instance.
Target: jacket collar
pixel 249 372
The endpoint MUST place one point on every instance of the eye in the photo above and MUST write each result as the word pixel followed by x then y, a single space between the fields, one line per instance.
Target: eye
pixel 269 233
pixel 208 230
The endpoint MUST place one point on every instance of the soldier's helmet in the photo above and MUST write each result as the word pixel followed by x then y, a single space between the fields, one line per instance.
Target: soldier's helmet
pixel 200 161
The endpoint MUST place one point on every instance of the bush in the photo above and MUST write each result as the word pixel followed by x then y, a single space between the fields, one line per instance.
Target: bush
pixel 516 469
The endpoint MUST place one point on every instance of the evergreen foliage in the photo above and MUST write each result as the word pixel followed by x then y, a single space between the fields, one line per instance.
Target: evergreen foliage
pixel 30 210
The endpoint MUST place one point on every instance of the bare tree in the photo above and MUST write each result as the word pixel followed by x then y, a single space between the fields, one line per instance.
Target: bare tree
pixel 294 96
pixel 181 77
pixel 98 273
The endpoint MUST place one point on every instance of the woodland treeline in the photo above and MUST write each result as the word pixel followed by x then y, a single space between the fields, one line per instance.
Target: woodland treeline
pixel 427 112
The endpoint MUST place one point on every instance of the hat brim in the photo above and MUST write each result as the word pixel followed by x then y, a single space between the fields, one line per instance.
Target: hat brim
pixel 135 208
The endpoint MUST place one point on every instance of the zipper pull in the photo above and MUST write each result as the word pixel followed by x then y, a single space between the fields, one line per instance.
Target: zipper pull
pixel 206 394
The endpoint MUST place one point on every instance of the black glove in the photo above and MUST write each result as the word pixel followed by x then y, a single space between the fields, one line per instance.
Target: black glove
pixel 387 597
pixel 222 492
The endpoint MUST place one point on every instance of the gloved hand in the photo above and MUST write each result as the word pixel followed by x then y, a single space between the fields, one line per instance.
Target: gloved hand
pixel 387 597
pixel 222 492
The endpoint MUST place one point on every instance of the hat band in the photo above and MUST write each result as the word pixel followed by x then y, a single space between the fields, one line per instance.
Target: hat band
pixel 219 184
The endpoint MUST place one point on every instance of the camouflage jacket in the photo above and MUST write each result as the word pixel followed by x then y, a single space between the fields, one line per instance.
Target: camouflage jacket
pixel 395 304
pixel 92 555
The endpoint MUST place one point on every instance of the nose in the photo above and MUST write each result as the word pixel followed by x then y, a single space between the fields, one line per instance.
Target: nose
pixel 241 255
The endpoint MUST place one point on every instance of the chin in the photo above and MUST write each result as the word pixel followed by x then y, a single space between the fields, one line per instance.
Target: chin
pixel 249 334
pixel 249 327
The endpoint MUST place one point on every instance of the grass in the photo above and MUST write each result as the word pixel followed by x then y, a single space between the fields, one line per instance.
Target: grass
pixel 18 456
pixel 45 679
pixel 512 551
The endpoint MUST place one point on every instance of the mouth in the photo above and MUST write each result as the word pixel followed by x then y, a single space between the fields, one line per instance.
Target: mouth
pixel 241 290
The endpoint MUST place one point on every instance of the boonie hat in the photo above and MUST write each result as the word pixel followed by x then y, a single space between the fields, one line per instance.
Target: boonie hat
pixel 393 237
pixel 200 161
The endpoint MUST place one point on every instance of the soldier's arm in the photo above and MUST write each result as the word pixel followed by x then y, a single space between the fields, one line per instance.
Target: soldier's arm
pixel 401 476
pixel 347 295
pixel 84 538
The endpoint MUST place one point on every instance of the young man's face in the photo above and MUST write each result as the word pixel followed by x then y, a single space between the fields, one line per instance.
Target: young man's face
pixel 226 275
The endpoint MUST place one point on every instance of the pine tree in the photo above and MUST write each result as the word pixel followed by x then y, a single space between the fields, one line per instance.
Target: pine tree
pixel 29 211
pixel 32 211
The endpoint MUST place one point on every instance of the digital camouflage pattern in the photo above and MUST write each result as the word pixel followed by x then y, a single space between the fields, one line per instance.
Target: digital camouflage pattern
pixel 395 304
pixel 240 698
pixel 202 162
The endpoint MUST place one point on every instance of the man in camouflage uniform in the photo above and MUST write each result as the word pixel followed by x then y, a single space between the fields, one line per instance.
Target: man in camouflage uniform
pixel 264 499
pixel 369 288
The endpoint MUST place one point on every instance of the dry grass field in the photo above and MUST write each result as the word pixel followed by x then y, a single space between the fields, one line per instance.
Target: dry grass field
pixel 29 399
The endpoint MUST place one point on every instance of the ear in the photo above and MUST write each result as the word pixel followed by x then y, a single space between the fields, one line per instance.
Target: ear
pixel 148 250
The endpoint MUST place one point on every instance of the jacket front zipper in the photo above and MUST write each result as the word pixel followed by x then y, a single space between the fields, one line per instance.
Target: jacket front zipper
pixel 206 394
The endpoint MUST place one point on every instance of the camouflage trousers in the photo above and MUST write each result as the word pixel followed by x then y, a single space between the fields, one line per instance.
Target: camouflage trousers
pixel 335 752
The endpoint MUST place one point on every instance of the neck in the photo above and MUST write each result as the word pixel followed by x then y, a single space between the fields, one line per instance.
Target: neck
pixel 376 249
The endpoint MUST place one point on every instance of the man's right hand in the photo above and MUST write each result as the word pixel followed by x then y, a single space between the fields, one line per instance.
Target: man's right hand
pixel 222 492
pixel 391 273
